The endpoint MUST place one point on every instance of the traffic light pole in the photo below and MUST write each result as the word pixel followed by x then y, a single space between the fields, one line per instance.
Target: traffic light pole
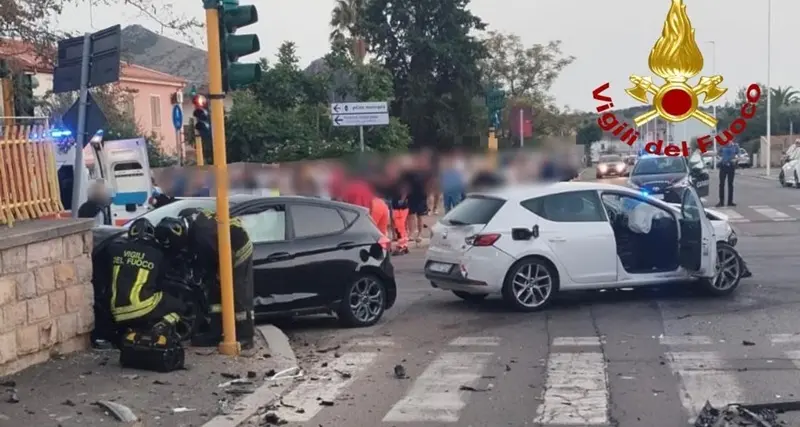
pixel 492 147
pixel 198 151
pixel 229 345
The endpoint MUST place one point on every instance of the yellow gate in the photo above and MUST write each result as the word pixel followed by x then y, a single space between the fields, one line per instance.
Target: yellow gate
pixel 28 178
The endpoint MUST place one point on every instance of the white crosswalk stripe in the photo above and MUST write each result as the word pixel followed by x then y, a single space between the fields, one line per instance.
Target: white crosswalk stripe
pixel 577 384
pixel 772 213
pixel 761 213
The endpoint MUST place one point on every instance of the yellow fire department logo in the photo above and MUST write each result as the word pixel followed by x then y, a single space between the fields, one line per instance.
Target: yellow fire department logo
pixel 676 58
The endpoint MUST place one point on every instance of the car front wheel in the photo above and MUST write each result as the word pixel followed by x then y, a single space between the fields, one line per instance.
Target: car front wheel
pixel 782 179
pixel 730 269
pixel 466 296
pixel 364 302
pixel 530 285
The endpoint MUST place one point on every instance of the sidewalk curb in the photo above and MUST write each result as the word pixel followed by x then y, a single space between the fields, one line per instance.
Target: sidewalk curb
pixel 268 392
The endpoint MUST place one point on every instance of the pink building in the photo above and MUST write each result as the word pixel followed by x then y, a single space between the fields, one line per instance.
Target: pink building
pixel 153 95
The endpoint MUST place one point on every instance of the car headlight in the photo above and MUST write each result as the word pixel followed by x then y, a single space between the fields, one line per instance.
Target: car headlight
pixel 602 168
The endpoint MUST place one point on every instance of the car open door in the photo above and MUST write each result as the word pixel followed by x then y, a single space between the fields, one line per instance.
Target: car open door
pixel 698 244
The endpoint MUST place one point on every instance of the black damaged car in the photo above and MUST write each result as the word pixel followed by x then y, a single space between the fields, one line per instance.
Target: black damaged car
pixel 311 256
pixel 664 177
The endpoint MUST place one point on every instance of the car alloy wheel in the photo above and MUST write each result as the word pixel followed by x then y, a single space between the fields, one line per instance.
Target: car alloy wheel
pixel 364 302
pixel 530 285
pixel 730 269
pixel 782 179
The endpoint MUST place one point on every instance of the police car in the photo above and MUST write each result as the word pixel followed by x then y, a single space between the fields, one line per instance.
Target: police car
pixel 665 178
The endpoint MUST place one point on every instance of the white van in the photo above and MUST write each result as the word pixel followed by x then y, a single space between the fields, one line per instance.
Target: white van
pixel 126 169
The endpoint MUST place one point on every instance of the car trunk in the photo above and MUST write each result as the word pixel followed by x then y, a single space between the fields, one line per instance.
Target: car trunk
pixel 449 236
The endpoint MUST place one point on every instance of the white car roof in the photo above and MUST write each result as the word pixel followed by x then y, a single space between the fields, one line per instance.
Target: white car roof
pixel 524 192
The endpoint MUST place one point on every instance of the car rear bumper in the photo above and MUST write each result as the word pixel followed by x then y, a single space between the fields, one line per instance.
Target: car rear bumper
pixel 478 270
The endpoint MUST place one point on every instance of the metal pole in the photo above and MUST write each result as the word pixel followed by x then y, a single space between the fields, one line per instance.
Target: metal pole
pixel 521 132
pixel 769 88
pixel 198 151
pixel 714 107
pixel 78 166
pixel 361 137
pixel 180 147
pixel 229 345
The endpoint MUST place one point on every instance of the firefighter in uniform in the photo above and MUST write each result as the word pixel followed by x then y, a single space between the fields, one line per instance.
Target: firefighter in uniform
pixel 137 265
pixel 203 239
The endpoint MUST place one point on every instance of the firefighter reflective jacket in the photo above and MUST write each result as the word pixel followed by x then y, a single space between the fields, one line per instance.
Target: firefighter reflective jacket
pixel 134 278
pixel 203 236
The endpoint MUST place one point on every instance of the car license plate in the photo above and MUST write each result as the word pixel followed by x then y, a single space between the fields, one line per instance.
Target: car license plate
pixel 438 267
pixel 657 196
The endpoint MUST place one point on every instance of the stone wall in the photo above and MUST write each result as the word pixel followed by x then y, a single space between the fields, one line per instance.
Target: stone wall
pixel 46 292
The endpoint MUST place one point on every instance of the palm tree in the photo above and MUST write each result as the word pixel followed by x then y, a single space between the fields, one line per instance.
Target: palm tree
pixel 346 19
pixel 785 96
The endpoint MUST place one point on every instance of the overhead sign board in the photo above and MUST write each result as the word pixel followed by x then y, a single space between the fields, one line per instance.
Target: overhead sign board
pixel 380 119
pixel 359 108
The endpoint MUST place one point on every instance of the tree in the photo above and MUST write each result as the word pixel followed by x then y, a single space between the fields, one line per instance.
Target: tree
pixel 588 133
pixel 284 117
pixel 784 96
pixel 347 27
pixel 523 71
pixel 432 54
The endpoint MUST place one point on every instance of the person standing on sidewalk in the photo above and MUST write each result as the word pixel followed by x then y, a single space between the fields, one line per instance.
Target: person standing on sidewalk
pixel 453 183
pixel 727 170
pixel 400 216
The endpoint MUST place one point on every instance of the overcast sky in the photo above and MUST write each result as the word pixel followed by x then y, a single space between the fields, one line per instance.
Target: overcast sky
pixel 610 39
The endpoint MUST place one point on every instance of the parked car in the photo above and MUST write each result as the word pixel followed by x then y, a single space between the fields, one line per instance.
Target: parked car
pixel 664 177
pixel 708 159
pixel 610 165
pixel 529 243
pixel 790 170
pixel 743 159
pixel 311 255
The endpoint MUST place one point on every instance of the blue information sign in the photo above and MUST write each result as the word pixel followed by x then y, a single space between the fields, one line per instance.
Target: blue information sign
pixel 177 117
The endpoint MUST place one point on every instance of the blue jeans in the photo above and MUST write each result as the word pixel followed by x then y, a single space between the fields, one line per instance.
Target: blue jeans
pixel 451 199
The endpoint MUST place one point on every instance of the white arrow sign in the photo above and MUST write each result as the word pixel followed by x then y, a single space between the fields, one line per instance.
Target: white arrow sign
pixel 361 119
pixel 359 108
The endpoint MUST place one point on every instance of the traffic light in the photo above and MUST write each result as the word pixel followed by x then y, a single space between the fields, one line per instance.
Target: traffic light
pixel 201 117
pixel 495 102
pixel 232 46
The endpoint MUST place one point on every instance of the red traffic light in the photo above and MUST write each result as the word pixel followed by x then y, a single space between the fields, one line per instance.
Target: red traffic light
pixel 200 101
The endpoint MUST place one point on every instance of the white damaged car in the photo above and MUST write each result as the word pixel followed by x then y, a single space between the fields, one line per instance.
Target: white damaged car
pixel 529 243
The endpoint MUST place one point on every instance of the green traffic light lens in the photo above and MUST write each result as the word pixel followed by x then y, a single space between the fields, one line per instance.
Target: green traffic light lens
pixel 243 75
pixel 239 46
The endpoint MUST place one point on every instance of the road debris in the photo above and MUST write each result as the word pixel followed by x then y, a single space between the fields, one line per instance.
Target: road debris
pixel 182 409
pixel 119 411
pixel 288 373
pixel 475 389
pixel 272 419
pixel 748 343
pixel 400 372
pixel 737 415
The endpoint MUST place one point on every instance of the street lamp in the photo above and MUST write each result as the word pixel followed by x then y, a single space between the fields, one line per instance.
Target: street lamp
pixel 769 88
pixel 714 107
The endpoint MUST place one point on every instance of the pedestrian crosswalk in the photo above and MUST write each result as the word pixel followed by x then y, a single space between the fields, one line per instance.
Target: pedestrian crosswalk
pixel 578 389
pixel 761 213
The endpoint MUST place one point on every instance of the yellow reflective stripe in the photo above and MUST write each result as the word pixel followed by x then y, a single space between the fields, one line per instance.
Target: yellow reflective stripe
pixel 274 193
pixel 136 311
pixel 215 308
pixel 172 318
pixel 141 279
pixel 242 254
pixel 114 276
pixel 242 315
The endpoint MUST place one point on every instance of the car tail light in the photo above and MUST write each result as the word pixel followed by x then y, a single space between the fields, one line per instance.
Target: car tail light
pixel 482 239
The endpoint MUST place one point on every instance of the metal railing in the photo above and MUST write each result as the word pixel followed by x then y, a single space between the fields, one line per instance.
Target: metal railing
pixel 28 179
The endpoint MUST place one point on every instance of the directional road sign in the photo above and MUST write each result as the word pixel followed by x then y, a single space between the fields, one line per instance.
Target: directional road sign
pixel 360 114
pixel 177 117
pixel 360 108
pixel 361 120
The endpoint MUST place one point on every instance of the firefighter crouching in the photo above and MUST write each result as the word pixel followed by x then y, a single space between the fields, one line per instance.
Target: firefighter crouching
pixel 203 239
pixel 147 317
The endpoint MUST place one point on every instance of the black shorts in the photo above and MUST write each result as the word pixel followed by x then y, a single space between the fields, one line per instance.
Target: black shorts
pixel 418 207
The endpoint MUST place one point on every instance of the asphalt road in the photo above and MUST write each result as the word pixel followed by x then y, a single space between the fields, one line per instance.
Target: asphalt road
pixel 639 358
